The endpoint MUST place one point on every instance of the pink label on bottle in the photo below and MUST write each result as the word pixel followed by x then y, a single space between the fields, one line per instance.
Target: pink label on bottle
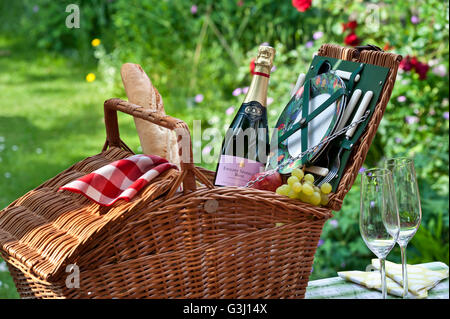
pixel 236 171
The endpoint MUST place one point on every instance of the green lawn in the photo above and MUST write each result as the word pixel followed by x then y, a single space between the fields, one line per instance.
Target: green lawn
pixel 50 118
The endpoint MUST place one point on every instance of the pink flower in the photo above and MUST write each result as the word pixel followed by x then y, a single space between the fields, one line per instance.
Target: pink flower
pixel 411 119
pixel 317 35
pixel 445 115
pixel 309 44
pixel 415 20
pixel 269 100
pixel 401 98
pixel 245 90
pixel 194 9
pixel 334 223
pixel 230 110
pixel 320 243
pixel 440 70
pixel 237 91
pixel 198 98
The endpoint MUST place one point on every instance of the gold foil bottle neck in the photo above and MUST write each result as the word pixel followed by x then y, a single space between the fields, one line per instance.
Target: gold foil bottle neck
pixel 265 56
pixel 263 64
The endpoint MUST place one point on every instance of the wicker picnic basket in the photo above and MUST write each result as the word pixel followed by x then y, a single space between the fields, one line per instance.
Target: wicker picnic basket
pixel 203 242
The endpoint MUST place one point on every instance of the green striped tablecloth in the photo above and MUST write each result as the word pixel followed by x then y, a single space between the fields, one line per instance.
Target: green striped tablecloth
pixel 338 288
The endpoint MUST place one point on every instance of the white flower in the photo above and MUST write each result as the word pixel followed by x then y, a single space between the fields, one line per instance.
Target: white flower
pixel 213 120
pixel 433 62
pixel 14 148
pixel 405 82
pixel 440 70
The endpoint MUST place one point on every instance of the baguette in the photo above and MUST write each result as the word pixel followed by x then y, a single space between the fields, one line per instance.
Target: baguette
pixel 154 139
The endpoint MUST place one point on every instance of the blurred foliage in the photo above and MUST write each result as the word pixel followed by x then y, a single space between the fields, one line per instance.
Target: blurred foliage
pixel 205 47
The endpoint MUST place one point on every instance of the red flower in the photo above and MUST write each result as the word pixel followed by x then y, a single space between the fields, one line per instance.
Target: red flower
pixel 352 39
pixel 302 5
pixel 252 66
pixel 422 69
pixel 405 63
pixel 408 63
pixel 387 46
pixel 349 25
pixel 414 62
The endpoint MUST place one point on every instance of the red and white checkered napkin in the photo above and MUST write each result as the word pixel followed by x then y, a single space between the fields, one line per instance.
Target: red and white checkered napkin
pixel 121 179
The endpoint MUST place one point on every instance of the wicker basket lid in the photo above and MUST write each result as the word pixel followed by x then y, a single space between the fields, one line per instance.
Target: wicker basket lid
pixel 45 230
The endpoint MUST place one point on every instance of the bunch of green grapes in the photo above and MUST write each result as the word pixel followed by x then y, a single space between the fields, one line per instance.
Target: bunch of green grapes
pixel 301 186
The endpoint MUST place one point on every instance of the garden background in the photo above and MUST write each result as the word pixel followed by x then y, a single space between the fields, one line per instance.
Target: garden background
pixel 53 81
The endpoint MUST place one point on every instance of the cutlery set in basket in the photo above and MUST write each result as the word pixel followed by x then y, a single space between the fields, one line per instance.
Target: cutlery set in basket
pixel 329 110
pixel 206 241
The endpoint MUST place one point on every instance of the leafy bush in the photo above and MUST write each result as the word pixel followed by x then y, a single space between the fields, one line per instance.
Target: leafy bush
pixel 204 48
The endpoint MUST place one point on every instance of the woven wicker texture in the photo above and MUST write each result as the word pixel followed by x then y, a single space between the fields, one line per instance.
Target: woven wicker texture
pixel 45 229
pixel 202 242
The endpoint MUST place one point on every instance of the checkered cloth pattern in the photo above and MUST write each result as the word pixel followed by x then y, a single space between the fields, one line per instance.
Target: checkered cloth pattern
pixel 121 179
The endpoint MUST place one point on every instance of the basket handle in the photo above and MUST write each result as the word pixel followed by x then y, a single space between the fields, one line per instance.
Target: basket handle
pixel 188 169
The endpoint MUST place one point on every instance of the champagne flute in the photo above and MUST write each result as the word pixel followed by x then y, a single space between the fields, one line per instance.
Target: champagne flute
pixel 379 221
pixel 408 202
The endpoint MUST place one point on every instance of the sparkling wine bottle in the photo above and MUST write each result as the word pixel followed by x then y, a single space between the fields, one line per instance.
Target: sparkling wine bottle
pixel 246 144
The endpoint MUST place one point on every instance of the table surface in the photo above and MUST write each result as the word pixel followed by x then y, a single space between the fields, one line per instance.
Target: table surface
pixel 338 288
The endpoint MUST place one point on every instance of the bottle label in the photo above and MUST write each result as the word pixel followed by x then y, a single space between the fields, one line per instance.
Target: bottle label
pixel 236 171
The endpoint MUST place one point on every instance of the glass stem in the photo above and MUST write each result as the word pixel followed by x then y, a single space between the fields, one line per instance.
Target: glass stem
pixel 404 271
pixel 383 278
